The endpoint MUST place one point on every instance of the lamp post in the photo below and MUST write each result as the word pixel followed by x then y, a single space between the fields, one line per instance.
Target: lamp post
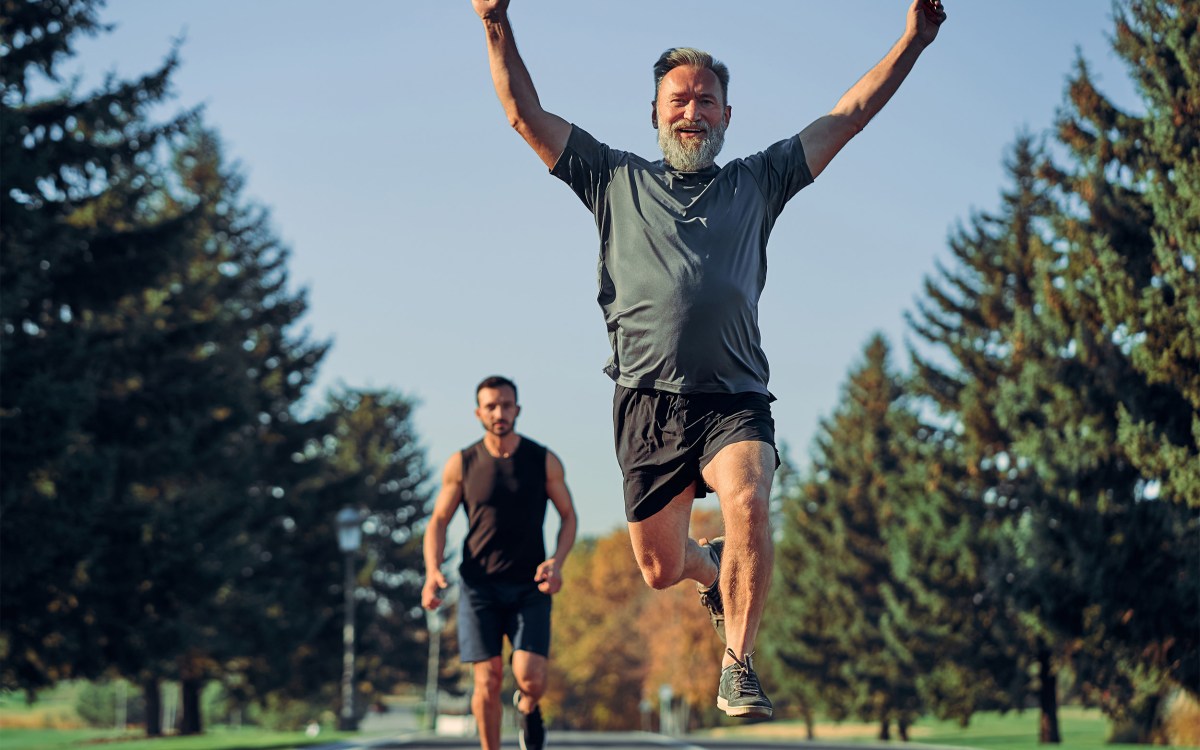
pixel 349 528
pixel 433 619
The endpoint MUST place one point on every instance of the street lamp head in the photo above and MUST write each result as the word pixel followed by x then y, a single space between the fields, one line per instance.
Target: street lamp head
pixel 349 528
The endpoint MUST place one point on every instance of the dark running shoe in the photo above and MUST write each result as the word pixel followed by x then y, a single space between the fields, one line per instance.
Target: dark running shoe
pixel 531 733
pixel 740 694
pixel 710 596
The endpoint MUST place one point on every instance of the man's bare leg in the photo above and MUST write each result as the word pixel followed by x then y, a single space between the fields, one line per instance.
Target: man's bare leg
pixel 664 552
pixel 485 703
pixel 741 474
pixel 529 670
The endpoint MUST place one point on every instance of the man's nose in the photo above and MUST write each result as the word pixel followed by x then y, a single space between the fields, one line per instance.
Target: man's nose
pixel 691 111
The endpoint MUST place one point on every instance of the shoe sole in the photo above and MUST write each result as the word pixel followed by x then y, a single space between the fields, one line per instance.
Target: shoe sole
pixel 745 712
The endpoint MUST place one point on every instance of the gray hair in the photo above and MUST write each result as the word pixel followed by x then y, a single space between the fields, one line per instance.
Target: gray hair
pixel 677 56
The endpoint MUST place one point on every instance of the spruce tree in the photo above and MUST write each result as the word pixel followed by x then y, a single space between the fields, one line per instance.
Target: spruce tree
pixel 1107 415
pixel 1145 283
pixel 976 480
pixel 81 233
pixel 842 624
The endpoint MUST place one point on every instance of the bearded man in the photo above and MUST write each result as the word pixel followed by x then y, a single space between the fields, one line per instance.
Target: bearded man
pixel 682 265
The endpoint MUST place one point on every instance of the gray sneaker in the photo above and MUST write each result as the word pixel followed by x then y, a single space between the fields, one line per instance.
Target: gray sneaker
pixel 740 693
pixel 710 596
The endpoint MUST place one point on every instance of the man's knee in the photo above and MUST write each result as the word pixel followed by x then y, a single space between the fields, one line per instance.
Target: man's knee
pixel 660 573
pixel 532 684
pixel 488 678
pixel 747 507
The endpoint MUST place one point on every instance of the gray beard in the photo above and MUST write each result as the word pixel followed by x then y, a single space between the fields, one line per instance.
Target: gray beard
pixel 689 157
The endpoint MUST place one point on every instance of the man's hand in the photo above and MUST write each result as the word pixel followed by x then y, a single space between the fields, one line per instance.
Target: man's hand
pixel 549 577
pixel 490 8
pixel 925 17
pixel 431 593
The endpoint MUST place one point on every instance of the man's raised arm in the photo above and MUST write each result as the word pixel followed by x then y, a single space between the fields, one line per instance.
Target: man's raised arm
pixel 546 133
pixel 826 136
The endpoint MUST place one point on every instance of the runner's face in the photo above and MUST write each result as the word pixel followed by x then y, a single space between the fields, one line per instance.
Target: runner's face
pixel 497 410
pixel 690 107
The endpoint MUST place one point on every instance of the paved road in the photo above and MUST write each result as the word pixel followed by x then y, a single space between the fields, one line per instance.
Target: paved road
pixel 554 741
pixel 612 741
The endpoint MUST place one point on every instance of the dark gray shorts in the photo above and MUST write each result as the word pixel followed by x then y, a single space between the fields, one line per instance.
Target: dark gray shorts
pixel 489 611
pixel 664 440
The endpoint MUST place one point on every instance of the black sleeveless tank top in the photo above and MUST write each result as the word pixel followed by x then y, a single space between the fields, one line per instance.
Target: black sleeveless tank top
pixel 505 501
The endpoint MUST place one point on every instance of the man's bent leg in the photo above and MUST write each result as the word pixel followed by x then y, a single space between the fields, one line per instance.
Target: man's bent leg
pixel 741 474
pixel 664 552
pixel 529 670
pixel 485 703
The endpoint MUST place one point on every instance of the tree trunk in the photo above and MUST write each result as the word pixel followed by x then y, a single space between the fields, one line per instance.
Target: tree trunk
pixel 153 696
pixel 1047 699
pixel 191 722
pixel 902 728
pixel 810 726
pixel 885 730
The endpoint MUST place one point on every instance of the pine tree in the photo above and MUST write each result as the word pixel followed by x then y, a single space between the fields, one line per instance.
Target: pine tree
pixel 840 623
pixel 82 232
pixel 977 483
pixel 1144 279
pixel 1108 415
pixel 283 614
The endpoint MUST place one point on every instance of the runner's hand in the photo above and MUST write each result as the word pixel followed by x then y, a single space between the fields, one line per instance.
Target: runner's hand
pixel 549 577
pixel 487 8
pixel 925 17
pixel 431 593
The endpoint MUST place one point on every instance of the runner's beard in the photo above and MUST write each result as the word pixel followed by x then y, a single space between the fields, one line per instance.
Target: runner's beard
pixel 691 155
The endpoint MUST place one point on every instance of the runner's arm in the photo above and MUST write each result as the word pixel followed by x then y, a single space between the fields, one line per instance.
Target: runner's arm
pixel 545 132
pixel 826 136
pixel 448 499
pixel 549 573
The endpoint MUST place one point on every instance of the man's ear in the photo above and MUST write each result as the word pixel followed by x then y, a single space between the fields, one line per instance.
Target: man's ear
pixel 654 115
pixel 728 114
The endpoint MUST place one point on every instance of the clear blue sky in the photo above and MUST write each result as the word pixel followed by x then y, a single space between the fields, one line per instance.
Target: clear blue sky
pixel 437 250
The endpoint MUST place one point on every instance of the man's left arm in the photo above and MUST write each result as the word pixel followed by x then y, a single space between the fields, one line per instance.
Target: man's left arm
pixel 826 136
pixel 549 573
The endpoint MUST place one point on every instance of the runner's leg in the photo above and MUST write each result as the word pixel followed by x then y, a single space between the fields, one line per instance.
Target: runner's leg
pixel 485 703
pixel 664 552
pixel 741 474
pixel 529 669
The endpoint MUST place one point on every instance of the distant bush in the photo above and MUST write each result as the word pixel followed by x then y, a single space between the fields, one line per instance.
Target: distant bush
pixel 96 703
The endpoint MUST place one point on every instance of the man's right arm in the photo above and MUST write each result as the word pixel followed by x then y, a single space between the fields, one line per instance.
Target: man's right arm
pixel 545 132
pixel 434 543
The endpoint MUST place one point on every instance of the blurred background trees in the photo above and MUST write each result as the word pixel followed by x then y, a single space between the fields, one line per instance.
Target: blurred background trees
pixel 168 503
pixel 1010 522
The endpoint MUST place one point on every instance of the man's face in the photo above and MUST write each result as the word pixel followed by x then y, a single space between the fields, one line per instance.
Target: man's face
pixel 691 116
pixel 497 410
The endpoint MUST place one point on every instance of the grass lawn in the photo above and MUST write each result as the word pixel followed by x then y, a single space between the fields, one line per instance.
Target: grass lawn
pixel 53 724
pixel 215 739
pixel 1081 729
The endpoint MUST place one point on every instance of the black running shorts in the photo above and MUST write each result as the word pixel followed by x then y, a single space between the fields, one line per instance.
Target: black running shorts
pixel 664 440
pixel 489 611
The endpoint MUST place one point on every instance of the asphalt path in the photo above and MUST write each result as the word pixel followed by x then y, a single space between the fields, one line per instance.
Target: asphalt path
pixel 614 741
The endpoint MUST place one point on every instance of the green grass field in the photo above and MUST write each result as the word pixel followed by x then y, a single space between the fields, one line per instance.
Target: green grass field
pixel 1081 729
pixel 215 739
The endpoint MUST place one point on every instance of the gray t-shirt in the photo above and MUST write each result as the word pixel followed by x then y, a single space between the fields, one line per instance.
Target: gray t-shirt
pixel 683 261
